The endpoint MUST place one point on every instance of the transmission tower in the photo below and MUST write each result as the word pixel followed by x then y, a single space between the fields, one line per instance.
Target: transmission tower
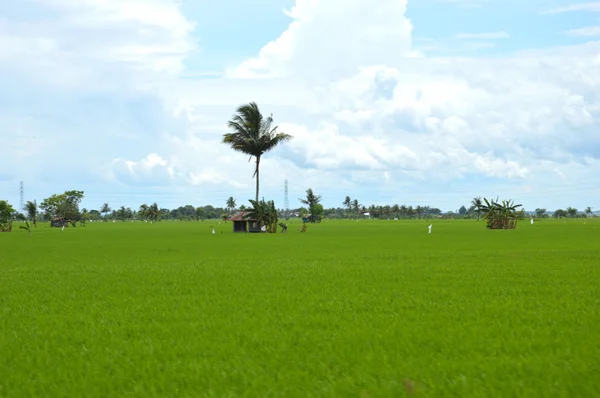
pixel 286 203
pixel 22 191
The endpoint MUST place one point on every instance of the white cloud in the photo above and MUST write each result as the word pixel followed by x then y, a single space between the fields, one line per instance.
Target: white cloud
pixel 593 6
pixel 96 44
pixel 488 35
pixel 334 37
pixel 367 116
pixel 588 31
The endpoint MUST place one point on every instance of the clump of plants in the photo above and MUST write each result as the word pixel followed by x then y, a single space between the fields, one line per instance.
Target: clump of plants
pixel 265 213
pixel 6 212
pixel 26 227
pixel 499 215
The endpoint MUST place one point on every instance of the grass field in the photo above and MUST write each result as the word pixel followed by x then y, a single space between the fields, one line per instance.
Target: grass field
pixel 363 309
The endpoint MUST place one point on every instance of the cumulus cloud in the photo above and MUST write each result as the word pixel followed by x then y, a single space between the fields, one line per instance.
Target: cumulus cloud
pixel 369 115
pixel 151 170
pixel 94 43
pixel 328 38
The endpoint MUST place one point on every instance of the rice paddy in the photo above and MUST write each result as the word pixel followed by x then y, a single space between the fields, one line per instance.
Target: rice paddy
pixel 365 309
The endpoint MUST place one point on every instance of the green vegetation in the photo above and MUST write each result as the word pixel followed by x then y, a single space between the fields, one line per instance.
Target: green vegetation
pixel 499 215
pixel 314 207
pixel 6 212
pixel 351 308
pixel 253 135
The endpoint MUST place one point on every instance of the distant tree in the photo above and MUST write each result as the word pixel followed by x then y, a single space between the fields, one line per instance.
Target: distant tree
pixel 230 204
pixel 347 203
pixel 559 213
pixel 477 203
pixel 419 211
pixel 143 212
pixel 253 135
pixel 154 213
pixel 588 211
pixel 6 214
pixel 65 205
pixel 105 209
pixel 200 213
pixel 403 211
pixel 85 216
pixel 356 207
pixel 124 213
pixel 312 200
pixel 540 213
pixel 94 215
pixel 32 211
pixel 571 211
pixel 462 211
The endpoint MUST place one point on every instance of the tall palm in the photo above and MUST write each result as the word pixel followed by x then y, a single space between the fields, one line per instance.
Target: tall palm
pixel 231 205
pixel 105 209
pixel 253 135
pixel 588 211
pixel 32 211
pixel 477 203
pixel 347 203
pixel 143 211
pixel 356 206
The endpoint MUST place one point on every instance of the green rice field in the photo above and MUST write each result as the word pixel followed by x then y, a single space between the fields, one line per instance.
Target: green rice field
pixel 348 309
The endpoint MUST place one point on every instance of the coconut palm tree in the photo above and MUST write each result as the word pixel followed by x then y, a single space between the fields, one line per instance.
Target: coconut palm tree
pixel 312 201
pixel 230 204
pixel 32 211
pixel 477 203
pixel 143 212
pixel 105 209
pixel 347 203
pixel 356 206
pixel 253 135
pixel 588 211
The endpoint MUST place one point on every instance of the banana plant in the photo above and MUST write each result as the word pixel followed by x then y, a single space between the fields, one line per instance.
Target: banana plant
pixel 499 215
pixel 26 227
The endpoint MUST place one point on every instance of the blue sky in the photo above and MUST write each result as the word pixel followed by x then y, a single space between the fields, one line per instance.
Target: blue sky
pixel 430 102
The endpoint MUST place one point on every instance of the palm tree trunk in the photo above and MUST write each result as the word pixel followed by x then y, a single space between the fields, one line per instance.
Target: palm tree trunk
pixel 257 175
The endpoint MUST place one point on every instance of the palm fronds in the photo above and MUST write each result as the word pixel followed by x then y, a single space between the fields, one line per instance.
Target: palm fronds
pixel 499 215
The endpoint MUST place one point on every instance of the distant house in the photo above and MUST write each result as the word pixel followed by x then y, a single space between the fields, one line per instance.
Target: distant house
pixel 58 222
pixel 243 222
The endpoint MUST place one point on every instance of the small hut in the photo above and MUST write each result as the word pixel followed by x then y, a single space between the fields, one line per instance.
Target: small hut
pixel 58 222
pixel 243 222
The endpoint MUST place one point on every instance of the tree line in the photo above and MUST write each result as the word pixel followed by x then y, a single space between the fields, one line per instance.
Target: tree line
pixel 254 135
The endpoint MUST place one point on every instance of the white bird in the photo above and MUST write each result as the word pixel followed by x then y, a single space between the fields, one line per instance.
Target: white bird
pixel 214 231
pixel 63 228
pixel 430 226
pixel 531 221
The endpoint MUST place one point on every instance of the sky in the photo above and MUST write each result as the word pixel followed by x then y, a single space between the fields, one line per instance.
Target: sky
pixel 428 102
